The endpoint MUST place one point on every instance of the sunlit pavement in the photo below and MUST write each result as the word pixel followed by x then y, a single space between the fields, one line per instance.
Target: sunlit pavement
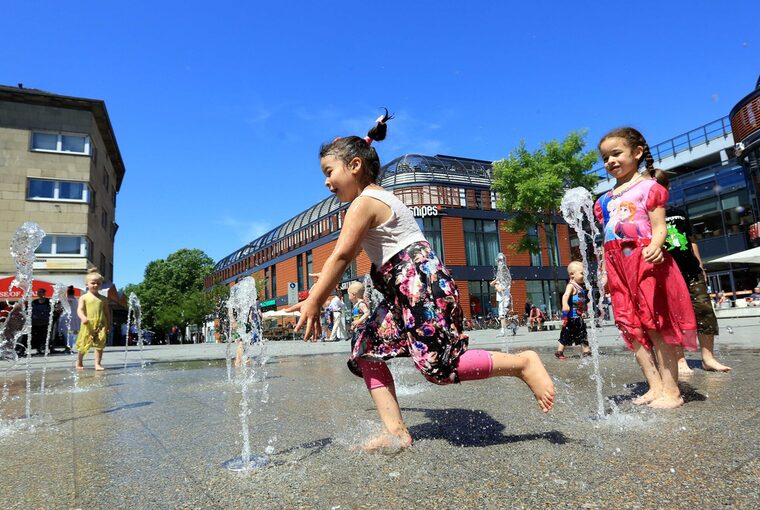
pixel 156 437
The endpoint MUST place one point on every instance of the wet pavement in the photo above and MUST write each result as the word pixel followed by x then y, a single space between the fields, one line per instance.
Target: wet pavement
pixel 156 437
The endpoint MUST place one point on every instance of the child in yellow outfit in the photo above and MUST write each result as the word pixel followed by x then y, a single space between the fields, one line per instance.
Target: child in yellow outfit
pixel 93 312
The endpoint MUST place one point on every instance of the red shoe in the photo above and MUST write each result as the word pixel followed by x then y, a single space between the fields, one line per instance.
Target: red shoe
pixel 560 355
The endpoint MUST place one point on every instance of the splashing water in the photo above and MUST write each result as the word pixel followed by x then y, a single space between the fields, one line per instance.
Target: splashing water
pixel 223 313
pixel 134 317
pixel 577 208
pixel 504 293
pixel 371 296
pixel 245 325
pixel 25 242
pixel 59 297
pixel 66 317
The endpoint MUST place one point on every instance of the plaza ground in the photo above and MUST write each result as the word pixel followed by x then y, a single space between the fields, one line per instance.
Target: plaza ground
pixel 156 437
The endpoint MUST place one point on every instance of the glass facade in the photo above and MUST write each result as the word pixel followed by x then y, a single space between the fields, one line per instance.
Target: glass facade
pixel 431 227
pixel 481 240
pixel 482 299
pixel 543 294
pixel 535 258
pixel 717 200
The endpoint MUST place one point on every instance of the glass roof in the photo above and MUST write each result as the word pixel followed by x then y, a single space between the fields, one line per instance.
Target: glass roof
pixel 418 169
pixel 409 169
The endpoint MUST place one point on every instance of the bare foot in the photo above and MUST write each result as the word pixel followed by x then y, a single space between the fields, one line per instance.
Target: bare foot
pixel 537 378
pixel 683 368
pixel 666 402
pixel 79 367
pixel 387 442
pixel 99 368
pixel 646 398
pixel 714 366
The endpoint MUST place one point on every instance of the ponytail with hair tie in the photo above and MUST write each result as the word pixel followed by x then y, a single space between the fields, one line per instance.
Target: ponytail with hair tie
pixel 379 130
pixel 348 147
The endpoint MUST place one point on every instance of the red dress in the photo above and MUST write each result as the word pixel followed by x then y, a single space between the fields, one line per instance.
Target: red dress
pixel 645 296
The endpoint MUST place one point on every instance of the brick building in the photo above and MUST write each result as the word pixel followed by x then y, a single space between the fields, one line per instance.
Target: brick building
pixel 452 200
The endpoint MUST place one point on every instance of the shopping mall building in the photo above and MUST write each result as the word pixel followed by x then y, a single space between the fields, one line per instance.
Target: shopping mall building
pixel 452 200
pixel 713 176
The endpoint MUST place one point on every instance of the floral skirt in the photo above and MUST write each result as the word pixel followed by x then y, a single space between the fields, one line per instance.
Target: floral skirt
pixel 420 316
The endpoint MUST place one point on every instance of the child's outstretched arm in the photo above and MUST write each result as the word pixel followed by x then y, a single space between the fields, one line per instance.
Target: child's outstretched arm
pixel 653 252
pixel 359 218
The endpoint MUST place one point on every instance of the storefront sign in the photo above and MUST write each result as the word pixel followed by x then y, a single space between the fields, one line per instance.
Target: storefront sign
pixel 292 293
pixel 61 263
pixel 270 304
pixel 423 211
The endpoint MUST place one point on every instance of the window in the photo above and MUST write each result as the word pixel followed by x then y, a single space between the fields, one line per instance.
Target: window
pixel 482 299
pixel 431 228
pixel 462 197
pixel 103 218
pixel 60 142
pixel 350 272
pixel 61 245
pixel 309 267
pixel 552 243
pixel 299 271
pixel 543 294
pixel 481 240
pixel 102 267
pixel 274 281
pixel 535 258
pixel 41 189
pixel 478 199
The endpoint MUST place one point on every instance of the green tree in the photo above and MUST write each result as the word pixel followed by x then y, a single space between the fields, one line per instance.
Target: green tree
pixel 171 292
pixel 530 185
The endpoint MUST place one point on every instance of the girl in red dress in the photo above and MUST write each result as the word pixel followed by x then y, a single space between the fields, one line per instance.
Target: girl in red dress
pixel 649 295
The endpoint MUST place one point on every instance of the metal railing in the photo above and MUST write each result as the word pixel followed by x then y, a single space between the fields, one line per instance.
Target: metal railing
pixel 720 128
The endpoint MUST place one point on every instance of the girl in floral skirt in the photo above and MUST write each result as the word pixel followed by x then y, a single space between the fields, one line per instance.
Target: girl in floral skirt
pixel 420 316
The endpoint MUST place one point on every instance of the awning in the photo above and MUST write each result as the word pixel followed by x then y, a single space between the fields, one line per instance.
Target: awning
pixel 751 256
pixel 15 293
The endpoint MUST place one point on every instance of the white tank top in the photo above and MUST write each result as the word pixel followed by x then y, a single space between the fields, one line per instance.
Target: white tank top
pixel 387 239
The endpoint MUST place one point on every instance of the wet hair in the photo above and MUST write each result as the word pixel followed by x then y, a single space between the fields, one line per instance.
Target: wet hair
pixel 349 147
pixel 634 139
pixel 94 274
pixel 574 265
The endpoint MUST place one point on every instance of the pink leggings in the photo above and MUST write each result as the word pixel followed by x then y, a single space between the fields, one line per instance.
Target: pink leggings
pixel 473 364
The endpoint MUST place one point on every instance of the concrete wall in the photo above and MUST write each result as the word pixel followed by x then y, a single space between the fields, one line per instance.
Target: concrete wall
pixel 18 162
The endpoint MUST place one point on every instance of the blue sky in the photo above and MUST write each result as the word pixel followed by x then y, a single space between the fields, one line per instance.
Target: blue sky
pixel 219 108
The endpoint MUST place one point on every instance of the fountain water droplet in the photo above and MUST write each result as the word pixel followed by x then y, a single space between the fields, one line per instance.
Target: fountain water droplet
pixel 245 326
pixel 25 242
pixel 577 209
pixel 134 323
